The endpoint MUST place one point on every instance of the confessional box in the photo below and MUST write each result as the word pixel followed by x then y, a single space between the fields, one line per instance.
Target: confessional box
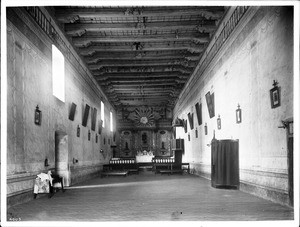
pixel 225 164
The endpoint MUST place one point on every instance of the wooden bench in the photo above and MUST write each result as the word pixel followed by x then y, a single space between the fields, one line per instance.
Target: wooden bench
pixel 114 173
pixel 171 171
pixel 133 171
pixel 161 167
pixel 145 168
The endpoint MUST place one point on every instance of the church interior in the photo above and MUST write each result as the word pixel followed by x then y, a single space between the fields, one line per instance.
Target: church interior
pixel 187 106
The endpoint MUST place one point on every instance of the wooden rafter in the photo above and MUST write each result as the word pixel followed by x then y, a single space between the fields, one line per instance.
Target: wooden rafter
pixel 140 55
pixel 66 15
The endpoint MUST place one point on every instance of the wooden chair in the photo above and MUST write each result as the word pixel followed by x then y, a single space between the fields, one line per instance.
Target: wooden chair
pixel 56 179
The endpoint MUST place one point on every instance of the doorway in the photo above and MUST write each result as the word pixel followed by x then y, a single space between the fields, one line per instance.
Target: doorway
pixel 62 156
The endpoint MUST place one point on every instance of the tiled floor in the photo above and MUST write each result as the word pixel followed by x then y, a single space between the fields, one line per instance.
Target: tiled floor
pixel 149 197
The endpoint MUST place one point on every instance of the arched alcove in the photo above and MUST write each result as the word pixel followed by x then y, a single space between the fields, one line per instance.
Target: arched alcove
pixel 62 156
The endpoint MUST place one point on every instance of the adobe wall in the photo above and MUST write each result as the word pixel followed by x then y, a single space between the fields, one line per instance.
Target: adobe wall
pixel 243 73
pixel 30 84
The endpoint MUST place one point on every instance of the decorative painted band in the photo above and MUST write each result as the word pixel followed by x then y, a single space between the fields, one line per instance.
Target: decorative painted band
pixel 86 167
pixel 266 193
pixel 264 187
pixel 25 176
pixel 29 190
pixel 19 179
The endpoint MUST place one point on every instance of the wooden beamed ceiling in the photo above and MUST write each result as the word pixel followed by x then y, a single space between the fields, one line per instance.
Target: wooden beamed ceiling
pixel 140 56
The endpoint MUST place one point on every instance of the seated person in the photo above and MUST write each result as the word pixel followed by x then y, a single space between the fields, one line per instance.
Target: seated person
pixel 44 183
pixel 55 179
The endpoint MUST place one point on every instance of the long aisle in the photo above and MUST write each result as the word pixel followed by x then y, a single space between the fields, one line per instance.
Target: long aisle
pixel 149 197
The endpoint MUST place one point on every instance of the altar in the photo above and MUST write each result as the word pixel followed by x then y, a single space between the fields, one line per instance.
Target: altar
pixel 144 156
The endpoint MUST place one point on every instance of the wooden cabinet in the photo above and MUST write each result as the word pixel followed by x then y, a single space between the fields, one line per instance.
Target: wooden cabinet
pixel 178 156
pixel 177 146
pixel 225 163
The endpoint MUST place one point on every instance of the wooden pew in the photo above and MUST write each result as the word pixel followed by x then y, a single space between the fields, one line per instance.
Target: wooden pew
pixel 114 173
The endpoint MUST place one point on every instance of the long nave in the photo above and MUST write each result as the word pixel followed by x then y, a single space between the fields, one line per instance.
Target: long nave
pixel 140 112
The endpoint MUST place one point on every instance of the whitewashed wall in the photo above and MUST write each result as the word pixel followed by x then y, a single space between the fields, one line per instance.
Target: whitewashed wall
pixel 243 74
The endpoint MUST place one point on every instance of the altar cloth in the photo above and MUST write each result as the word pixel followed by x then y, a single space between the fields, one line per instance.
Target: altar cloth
pixel 143 158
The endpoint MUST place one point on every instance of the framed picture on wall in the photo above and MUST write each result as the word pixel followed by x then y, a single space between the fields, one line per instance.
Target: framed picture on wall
pixel 100 127
pixel 174 132
pixel 37 116
pixel 185 125
pixel 210 100
pixel 191 120
pixel 275 97
pixel 198 108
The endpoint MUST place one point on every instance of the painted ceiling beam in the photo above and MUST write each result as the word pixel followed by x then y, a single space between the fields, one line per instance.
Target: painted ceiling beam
pixel 128 50
pixel 140 55
pixel 172 60
pixel 87 41
pixel 124 60
pixel 145 91
pixel 145 103
pixel 139 85
pixel 79 29
pixel 141 64
pixel 141 69
pixel 133 81
pixel 119 76
pixel 162 45
pixel 66 15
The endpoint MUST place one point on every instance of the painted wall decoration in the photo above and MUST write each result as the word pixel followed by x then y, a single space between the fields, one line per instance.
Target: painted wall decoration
pixel 219 122
pixel 100 126
pixel 185 125
pixel 191 120
pixel 78 131
pixel 94 118
pixel 238 114
pixel 144 117
pixel 37 116
pixel 139 141
pixel 163 143
pixel 72 111
pixel 126 146
pixel 210 100
pixel 85 115
pixel 275 95
pixel 198 108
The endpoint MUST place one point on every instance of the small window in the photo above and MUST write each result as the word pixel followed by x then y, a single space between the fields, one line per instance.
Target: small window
pixel 58 74
pixel 111 122
pixel 102 114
